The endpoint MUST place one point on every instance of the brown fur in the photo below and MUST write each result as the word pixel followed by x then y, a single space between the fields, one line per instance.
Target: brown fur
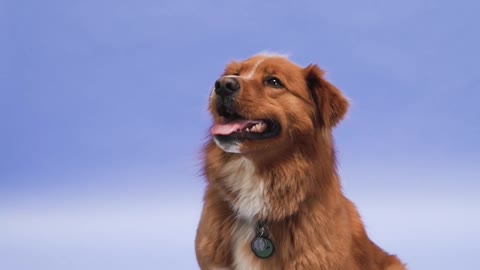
pixel 311 223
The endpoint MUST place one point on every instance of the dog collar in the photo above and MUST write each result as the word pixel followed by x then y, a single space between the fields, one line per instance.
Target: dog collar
pixel 261 245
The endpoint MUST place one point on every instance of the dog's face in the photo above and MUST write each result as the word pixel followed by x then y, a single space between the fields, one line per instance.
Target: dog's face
pixel 267 104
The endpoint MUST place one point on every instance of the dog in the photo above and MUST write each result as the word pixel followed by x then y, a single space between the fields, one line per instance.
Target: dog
pixel 273 198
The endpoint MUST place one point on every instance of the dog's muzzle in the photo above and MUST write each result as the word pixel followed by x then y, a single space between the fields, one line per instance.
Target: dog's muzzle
pixel 226 88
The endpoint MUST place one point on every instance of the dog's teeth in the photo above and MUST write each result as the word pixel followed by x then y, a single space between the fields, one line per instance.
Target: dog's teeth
pixel 257 128
pixel 261 127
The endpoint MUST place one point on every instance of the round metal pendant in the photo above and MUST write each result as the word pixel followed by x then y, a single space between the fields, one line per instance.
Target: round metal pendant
pixel 262 247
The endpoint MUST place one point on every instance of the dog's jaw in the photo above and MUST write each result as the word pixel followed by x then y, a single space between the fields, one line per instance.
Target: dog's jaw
pixel 229 147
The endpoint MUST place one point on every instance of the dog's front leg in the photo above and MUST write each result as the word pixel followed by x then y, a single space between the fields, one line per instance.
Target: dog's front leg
pixel 212 247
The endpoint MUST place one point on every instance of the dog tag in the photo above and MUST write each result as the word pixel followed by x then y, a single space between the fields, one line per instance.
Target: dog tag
pixel 262 247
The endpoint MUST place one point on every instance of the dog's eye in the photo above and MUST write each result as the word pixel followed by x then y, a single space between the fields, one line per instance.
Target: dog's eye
pixel 273 82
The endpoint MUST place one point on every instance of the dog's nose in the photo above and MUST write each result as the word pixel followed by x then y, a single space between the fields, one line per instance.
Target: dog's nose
pixel 226 86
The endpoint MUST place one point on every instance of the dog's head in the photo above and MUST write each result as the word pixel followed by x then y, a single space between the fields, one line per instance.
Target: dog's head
pixel 267 104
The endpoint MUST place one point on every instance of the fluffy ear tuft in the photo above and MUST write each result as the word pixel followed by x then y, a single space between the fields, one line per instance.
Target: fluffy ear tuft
pixel 332 105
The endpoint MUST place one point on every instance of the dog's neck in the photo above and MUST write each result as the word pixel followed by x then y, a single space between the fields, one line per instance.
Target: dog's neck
pixel 277 189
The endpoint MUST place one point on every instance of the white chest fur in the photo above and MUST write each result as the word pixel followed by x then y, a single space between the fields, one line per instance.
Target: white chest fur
pixel 250 200
pixel 249 205
pixel 243 257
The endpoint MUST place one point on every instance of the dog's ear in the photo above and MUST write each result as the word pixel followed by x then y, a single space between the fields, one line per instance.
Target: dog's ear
pixel 331 104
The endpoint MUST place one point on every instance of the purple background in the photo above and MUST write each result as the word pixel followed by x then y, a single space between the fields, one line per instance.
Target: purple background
pixel 103 113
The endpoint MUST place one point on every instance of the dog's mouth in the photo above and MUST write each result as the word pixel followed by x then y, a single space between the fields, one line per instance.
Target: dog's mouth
pixel 239 128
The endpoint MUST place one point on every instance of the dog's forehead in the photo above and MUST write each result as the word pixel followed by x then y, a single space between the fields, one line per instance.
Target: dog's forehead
pixel 272 62
pixel 260 63
pixel 280 65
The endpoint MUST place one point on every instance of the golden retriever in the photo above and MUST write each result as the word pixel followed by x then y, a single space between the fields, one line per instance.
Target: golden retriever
pixel 273 198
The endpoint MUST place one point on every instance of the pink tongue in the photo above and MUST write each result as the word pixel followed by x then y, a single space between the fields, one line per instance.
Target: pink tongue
pixel 231 127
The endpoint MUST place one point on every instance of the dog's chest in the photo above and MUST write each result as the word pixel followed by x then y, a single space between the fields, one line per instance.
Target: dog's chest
pixel 243 257
pixel 249 204
pixel 250 199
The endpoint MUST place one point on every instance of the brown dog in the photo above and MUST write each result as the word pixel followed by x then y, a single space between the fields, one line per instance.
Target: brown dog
pixel 273 198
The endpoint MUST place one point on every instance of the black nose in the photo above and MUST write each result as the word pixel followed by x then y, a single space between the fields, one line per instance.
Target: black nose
pixel 226 86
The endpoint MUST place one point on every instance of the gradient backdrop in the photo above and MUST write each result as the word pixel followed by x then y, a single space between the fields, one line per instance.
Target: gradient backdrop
pixel 103 113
